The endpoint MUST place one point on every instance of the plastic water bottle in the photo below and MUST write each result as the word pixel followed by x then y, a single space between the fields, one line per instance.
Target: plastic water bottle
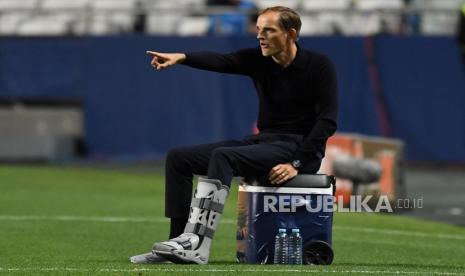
pixel 295 247
pixel 281 247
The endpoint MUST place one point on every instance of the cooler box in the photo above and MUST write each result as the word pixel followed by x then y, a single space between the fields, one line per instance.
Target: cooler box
pixel 300 203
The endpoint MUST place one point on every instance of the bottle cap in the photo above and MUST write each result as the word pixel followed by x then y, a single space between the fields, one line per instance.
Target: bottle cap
pixel 282 230
pixel 295 230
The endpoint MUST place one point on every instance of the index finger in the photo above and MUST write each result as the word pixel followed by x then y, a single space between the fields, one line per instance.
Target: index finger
pixel 153 53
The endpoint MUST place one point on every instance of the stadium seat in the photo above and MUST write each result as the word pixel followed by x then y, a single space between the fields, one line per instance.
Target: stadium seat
pixel 179 5
pixel 438 17
pixel 435 23
pixel 112 16
pixel 10 22
pixel 364 24
pixel 293 4
pixel 325 5
pixel 63 5
pixel 336 23
pixel 6 5
pixel 74 9
pixel 325 23
pixel 111 23
pixel 376 16
pixel 162 23
pixel 437 4
pixel 310 25
pixel 113 4
pixel 371 5
pixel 99 25
pixel 193 26
pixel 55 24
pixel 329 17
pixel 164 16
pixel 325 17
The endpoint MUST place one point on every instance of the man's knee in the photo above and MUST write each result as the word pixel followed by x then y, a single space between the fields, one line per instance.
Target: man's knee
pixel 221 153
pixel 173 155
pixel 176 157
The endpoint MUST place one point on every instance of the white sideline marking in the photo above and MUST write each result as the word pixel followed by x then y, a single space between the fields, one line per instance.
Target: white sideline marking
pixel 83 218
pixel 227 221
pixel 401 232
pixel 222 270
pixel 95 219
pixel 444 245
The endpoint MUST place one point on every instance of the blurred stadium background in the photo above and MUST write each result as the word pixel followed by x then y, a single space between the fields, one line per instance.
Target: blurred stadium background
pixel 78 96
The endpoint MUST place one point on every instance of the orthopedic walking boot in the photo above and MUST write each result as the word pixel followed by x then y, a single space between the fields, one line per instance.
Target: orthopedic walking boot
pixel 193 246
pixel 148 258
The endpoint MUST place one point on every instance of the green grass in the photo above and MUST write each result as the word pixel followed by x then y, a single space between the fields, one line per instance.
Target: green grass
pixel 51 223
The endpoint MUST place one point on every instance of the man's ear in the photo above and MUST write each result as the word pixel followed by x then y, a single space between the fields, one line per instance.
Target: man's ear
pixel 293 33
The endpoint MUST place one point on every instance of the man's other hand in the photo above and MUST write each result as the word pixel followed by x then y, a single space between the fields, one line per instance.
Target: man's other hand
pixel 281 173
pixel 163 60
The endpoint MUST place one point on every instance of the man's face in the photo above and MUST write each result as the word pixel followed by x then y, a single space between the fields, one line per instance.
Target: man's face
pixel 273 39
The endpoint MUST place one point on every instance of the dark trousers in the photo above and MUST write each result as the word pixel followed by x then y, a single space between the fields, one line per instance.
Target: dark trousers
pixel 254 156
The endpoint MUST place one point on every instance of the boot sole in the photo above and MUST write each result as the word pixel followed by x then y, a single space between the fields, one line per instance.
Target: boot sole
pixel 167 252
pixel 172 257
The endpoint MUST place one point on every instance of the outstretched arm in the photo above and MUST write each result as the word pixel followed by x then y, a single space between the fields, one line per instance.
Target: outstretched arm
pixel 164 60
pixel 242 62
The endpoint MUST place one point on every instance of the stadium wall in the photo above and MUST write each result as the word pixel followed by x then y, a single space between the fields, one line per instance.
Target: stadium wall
pixel 412 88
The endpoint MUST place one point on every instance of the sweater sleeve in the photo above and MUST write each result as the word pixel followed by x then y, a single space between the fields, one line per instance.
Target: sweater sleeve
pixel 240 62
pixel 314 144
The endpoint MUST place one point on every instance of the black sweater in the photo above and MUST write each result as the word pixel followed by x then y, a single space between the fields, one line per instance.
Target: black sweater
pixel 298 99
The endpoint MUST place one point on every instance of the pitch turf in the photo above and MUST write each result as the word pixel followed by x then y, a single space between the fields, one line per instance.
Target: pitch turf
pixel 89 221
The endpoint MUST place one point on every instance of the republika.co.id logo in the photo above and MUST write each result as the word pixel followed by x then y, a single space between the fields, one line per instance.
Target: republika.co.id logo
pixel 290 203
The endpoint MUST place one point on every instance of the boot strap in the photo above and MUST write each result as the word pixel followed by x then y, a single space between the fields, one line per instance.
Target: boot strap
pixel 207 204
pixel 200 230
